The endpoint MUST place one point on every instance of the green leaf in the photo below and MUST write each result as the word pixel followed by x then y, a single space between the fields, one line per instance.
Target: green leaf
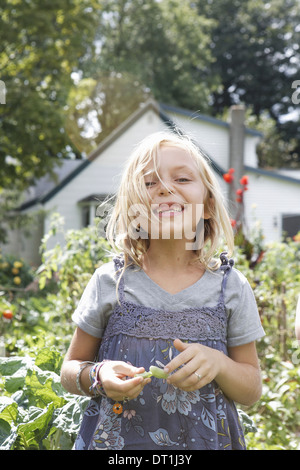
pixel 49 359
pixel 10 365
pixel 33 431
pixel 39 385
pixel 15 370
pixel 8 410
pixel 8 435
pixel 68 418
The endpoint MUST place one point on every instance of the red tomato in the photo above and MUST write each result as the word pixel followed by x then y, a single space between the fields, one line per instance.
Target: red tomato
pixel 244 180
pixel 8 314
pixel 228 178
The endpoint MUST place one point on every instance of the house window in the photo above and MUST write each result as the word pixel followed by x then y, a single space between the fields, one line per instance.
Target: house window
pixel 290 225
pixel 88 213
pixel 89 208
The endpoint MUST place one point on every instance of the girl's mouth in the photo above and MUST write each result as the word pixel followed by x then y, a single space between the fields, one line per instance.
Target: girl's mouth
pixel 169 209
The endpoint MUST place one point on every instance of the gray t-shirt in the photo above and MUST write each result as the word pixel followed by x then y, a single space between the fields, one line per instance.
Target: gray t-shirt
pixel 99 298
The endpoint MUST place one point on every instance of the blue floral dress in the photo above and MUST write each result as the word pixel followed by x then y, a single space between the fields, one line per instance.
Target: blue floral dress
pixel 162 416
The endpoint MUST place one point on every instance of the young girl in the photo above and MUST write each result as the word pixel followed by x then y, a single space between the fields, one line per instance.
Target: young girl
pixel 164 301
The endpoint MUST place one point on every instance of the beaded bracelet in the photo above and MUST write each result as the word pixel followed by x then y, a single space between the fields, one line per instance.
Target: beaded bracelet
pixel 96 387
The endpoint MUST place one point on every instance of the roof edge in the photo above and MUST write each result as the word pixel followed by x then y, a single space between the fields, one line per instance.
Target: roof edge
pixel 205 118
pixel 271 174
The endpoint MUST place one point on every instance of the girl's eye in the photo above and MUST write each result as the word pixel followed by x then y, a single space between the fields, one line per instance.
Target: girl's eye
pixel 182 180
pixel 149 183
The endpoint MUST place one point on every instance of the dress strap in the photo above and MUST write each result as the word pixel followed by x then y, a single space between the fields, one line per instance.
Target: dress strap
pixel 119 264
pixel 226 267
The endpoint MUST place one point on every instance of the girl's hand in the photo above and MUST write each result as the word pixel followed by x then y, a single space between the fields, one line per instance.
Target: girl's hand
pixel 198 365
pixel 113 378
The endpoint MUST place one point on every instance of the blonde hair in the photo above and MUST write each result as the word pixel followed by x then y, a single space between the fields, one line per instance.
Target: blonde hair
pixel 133 190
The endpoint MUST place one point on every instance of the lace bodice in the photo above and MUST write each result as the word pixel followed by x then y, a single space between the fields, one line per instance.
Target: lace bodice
pixel 193 324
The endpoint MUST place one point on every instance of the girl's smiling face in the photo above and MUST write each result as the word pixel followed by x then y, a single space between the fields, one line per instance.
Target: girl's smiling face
pixel 176 193
pixel 166 179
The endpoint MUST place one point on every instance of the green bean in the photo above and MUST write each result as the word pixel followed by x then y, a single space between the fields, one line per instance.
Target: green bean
pixel 145 375
pixel 158 373
pixel 155 372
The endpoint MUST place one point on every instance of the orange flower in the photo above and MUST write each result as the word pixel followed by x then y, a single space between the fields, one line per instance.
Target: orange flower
pixel 117 408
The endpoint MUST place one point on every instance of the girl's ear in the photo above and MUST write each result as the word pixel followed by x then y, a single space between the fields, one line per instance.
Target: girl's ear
pixel 208 208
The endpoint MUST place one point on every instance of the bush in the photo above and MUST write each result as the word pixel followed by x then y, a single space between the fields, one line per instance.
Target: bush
pixel 275 281
pixel 14 272
pixel 70 268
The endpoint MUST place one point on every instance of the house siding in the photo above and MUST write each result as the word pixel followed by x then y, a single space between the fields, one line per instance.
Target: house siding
pixel 213 138
pixel 102 175
pixel 267 200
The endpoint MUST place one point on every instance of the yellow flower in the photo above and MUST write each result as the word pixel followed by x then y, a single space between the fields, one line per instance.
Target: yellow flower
pixel 15 271
pixel 17 280
pixel 18 264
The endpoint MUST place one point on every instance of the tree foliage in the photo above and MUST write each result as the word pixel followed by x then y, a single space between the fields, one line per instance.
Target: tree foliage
pixel 146 48
pixel 256 49
pixel 165 44
pixel 256 46
pixel 42 43
pixel 203 56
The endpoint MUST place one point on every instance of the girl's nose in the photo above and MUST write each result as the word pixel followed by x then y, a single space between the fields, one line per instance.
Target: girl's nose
pixel 164 188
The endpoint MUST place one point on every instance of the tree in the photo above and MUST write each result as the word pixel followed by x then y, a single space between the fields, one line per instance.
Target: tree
pixel 256 47
pixel 163 44
pixel 257 57
pixel 42 43
pixel 275 150
pixel 146 48
pixel 97 106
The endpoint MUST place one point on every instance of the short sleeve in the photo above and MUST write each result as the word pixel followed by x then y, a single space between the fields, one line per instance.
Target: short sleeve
pixel 97 301
pixel 244 325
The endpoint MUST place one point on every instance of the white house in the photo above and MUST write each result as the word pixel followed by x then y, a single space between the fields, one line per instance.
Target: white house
pixel 275 195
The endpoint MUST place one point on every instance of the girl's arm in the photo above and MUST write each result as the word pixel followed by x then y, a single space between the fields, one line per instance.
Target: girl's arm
pixel 238 375
pixel 85 347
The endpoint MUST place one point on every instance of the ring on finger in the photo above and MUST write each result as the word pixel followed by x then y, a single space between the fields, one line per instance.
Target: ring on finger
pixel 199 377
